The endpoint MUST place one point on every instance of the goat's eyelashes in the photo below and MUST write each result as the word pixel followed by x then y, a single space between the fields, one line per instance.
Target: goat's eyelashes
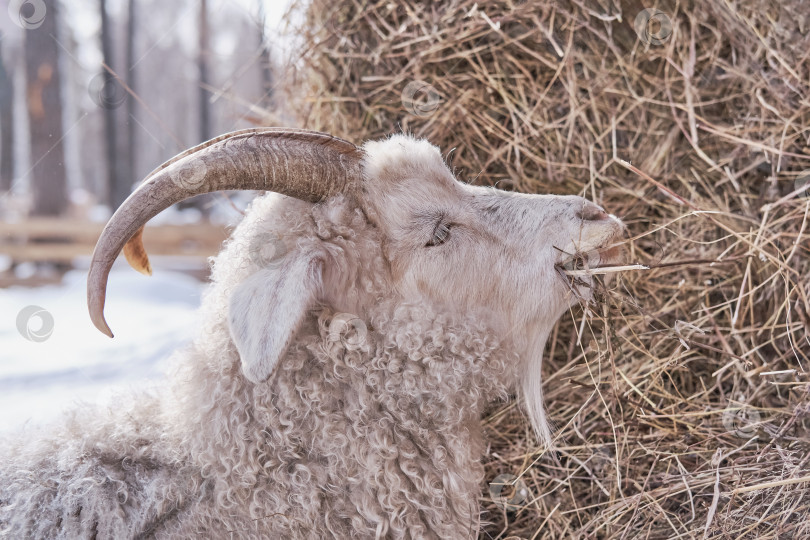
pixel 440 234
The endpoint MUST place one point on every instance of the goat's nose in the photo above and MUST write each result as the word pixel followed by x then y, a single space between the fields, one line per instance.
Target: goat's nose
pixel 591 212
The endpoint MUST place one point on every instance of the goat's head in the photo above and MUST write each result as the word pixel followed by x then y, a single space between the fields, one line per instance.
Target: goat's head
pixel 467 247
pixel 457 247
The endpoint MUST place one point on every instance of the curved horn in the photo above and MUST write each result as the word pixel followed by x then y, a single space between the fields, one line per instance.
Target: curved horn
pixel 307 165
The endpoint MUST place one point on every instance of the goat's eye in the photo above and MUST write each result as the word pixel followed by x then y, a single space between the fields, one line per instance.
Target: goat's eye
pixel 440 234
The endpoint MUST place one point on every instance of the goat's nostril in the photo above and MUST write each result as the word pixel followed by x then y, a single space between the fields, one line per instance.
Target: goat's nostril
pixel 591 212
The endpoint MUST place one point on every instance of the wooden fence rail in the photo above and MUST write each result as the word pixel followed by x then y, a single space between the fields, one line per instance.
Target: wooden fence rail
pixel 62 242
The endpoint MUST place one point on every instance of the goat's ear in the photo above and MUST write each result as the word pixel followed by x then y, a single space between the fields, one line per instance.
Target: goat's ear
pixel 267 309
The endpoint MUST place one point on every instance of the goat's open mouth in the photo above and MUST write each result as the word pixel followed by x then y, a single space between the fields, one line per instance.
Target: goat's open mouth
pixel 593 261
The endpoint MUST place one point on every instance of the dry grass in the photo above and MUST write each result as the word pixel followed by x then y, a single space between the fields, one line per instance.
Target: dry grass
pixel 654 388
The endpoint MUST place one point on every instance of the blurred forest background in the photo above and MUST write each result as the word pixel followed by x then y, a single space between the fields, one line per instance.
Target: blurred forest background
pixel 96 93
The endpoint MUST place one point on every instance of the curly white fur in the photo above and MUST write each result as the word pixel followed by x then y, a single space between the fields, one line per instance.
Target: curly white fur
pixel 281 425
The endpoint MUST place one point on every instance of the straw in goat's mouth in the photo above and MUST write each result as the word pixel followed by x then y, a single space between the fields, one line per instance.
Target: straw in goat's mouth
pixel 605 269
pixel 623 267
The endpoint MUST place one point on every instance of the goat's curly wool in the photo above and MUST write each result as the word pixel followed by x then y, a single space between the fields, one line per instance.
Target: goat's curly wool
pixel 366 426
pixel 391 428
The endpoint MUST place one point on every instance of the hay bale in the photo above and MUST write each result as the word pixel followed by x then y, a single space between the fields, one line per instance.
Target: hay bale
pixel 682 400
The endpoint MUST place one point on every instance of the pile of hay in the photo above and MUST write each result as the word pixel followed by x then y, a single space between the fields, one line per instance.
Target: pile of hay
pixel 681 401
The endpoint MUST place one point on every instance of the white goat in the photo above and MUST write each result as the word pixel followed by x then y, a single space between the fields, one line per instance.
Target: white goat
pixel 368 427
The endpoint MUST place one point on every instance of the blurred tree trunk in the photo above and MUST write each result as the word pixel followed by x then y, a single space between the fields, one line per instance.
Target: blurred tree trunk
pixel 202 62
pixel 202 202
pixel 265 60
pixel 117 186
pixel 45 116
pixel 6 125
pixel 132 83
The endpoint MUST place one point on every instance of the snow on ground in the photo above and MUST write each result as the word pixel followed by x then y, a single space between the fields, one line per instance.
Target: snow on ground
pixel 41 376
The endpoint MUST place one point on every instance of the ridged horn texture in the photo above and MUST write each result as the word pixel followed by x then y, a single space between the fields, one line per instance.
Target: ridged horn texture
pixel 307 165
